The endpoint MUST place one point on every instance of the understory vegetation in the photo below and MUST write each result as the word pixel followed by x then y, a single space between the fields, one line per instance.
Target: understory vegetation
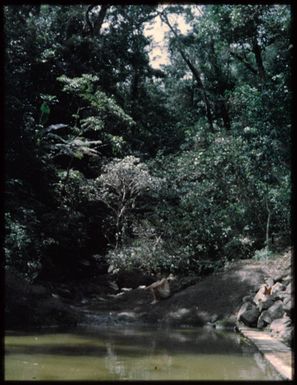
pixel 112 163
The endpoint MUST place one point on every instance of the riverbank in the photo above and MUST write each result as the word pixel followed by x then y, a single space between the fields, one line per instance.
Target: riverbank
pixel 275 352
pixel 212 301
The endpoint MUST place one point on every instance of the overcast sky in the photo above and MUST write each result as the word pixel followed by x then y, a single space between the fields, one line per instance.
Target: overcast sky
pixel 157 29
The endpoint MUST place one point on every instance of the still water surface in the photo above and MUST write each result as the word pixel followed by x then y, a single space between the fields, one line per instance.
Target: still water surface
pixel 129 353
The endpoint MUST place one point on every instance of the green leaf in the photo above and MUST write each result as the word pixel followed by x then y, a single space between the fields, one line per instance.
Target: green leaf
pixel 45 108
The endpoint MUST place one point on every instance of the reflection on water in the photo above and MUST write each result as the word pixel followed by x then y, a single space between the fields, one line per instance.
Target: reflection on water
pixel 132 354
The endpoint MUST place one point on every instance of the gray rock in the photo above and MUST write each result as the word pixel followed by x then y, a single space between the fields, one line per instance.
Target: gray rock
pixel 247 298
pixel 214 318
pixel 188 316
pixel 277 287
pixel 288 306
pixel 40 291
pixel 279 277
pixel 279 325
pixel 267 303
pixel 283 295
pixel 248 314
pixel 289 288
pixel 264 319
pixel 276 310
pixel 127 316
pixel 287 335
pixel 287 279
pixel 269 281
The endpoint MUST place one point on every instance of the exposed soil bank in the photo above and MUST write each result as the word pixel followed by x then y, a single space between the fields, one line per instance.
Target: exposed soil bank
pixel 213 300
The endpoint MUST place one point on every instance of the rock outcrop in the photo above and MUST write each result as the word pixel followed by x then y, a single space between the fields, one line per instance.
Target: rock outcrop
pixel 271 306
pixel 30 306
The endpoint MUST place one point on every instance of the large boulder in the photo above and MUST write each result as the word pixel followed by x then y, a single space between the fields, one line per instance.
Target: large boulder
pixel 247 298
pixel 277 287
pixel 248 314
pixel 288 305
pixel 281 328
pixel 264 319
pixel 287 279
pixel 276 310
pixel 187 316
pixel 133 279
pixel 40 291
pixel 28 306
pixel 289 288
pixel 267 303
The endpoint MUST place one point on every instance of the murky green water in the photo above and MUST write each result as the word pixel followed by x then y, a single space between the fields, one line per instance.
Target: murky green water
pixel 126 353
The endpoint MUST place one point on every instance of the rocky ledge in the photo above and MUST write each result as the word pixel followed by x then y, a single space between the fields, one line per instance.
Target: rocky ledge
pixel 270 308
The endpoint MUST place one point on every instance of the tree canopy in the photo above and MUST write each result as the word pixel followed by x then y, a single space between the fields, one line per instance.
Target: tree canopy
pixel 176 168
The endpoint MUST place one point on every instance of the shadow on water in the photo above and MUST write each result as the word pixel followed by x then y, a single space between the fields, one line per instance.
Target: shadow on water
pixel 132 353
pixel 129 342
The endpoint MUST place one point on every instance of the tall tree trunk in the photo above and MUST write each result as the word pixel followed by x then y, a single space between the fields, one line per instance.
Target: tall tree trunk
pixel 195 72
pixel 225 116
pixel 96 27
pixel 268 226
pixel 258 57
pixel 224 113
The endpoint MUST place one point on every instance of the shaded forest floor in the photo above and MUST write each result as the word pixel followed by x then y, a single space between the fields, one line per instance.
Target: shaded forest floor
pixel 194 301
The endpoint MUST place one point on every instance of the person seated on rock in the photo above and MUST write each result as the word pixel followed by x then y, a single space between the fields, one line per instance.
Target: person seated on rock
pixel 267 290
pixel 160 289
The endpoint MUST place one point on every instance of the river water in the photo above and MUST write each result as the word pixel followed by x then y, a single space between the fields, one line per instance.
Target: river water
pixel 132 353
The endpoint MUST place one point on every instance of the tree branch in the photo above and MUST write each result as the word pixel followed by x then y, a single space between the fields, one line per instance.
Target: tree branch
pixel 96 27
pixel 241 59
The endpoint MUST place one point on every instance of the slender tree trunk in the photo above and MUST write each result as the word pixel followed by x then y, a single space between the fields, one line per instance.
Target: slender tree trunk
pixel 194 71
pixel 224 113
pixel 225 116
pixel 258 57
pixel 268 226
pixel 96 27
pixel 244 62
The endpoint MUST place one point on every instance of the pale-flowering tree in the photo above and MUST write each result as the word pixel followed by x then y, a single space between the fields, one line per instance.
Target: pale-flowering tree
pixel 122 182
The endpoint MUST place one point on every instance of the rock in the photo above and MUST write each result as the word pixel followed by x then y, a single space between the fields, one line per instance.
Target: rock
pixel 277 287
pixel 278 326
pixel 267 303
pixel 226 323
pixel 289 288
pixel 113 285
pixel 276 310
pixel 65 293
pixel 288 306
pixel 214 318
pixel 125 289
pixel 287 279
pixel 39 291
pixel 283 295
pixel 133 279
pixel 247 298
pixel 260 296
pixel 188 316
pixel 287 335
pixel 279 277
pixel 281 328
pixel 269 281
pixel 264 319
pixel 248 314
pixel 180 313
pixel 127 316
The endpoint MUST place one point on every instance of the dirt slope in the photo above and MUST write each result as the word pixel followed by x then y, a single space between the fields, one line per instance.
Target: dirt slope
pixel 216 297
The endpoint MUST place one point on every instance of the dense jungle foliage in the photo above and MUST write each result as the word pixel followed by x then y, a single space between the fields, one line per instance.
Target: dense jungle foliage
pixel 112 163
